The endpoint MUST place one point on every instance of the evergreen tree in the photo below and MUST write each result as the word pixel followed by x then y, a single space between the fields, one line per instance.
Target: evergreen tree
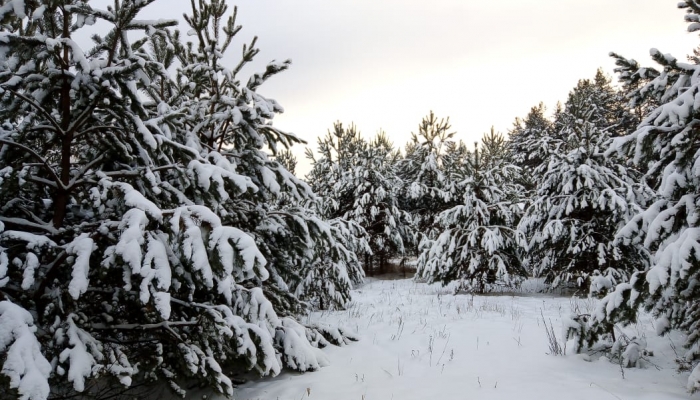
pixel 533 138
pixel 666 146
pixel 633 78
pixel 143 237
pixel 582 200
pixel 607 107
pixel 287 160
pixel 339 153
pixel 453 165
pixel 427 187
pixel 524 134
pixel 494 147
pixel 358 181
pixel 375 206
pixel 478 243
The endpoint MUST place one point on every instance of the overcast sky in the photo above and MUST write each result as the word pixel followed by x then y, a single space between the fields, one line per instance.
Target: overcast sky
pixel 387 63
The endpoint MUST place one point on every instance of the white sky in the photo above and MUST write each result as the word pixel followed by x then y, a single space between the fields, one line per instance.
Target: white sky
pixel 387 63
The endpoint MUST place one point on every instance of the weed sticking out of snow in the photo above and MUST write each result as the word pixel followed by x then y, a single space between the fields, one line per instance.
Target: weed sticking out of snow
pixel 420 341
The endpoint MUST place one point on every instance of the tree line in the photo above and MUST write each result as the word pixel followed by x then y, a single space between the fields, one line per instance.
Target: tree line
pixel 545 200
pixel 601 196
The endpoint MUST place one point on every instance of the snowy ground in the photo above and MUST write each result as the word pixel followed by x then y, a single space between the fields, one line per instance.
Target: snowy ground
pixel 421 342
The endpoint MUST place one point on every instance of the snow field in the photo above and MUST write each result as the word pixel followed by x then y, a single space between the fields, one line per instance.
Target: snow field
pixel 420 341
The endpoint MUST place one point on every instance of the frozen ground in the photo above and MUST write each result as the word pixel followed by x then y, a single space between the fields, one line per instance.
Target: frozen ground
pixel 420 342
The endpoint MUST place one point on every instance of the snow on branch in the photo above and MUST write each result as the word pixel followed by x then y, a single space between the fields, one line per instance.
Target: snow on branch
pixel 25 365
pixel 81 247
pixel 82 357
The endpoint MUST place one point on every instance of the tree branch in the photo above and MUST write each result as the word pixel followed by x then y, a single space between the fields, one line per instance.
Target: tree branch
pixel 38 107
pixel 38 157
pixel 164 324
pixel 23 222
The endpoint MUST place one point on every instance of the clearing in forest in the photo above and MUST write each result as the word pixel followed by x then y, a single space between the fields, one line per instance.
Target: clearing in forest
pixel 420 341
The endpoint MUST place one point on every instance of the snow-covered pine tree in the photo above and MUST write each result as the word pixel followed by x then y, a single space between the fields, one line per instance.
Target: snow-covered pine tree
pixel 611 112
pixel 325 279
pixel 134 208
pixel 375 206
pixel 338 150
pixel 308 258
pixel 633 78
pixel 583 199
pixel 494 147
pixel 338 154
pixel 426 185
pixel 287 160
pixel 666 146
pixel 453 164
pixel 357 180
pixel 524 140
pixel 478 243
pixel 531 138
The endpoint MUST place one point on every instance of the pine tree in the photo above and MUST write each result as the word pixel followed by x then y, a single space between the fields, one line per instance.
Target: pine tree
pixel 609 109
pixel 308 259
pixel 287 160
pixel 144 236
pixel 376 206
pixel 453 165
pixel 525 135
pixel 339 153
pixel 494 147
pixel 478 242
pixel 583 199
pixel 666 146
pixel 633 78
pixel 533 138
pixel 358 182
pixel 427 186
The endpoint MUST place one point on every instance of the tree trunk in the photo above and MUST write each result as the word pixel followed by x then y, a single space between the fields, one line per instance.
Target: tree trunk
pixel 368 265
pixel 63 195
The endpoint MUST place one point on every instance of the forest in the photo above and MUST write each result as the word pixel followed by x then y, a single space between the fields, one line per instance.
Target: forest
pixel 155 236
